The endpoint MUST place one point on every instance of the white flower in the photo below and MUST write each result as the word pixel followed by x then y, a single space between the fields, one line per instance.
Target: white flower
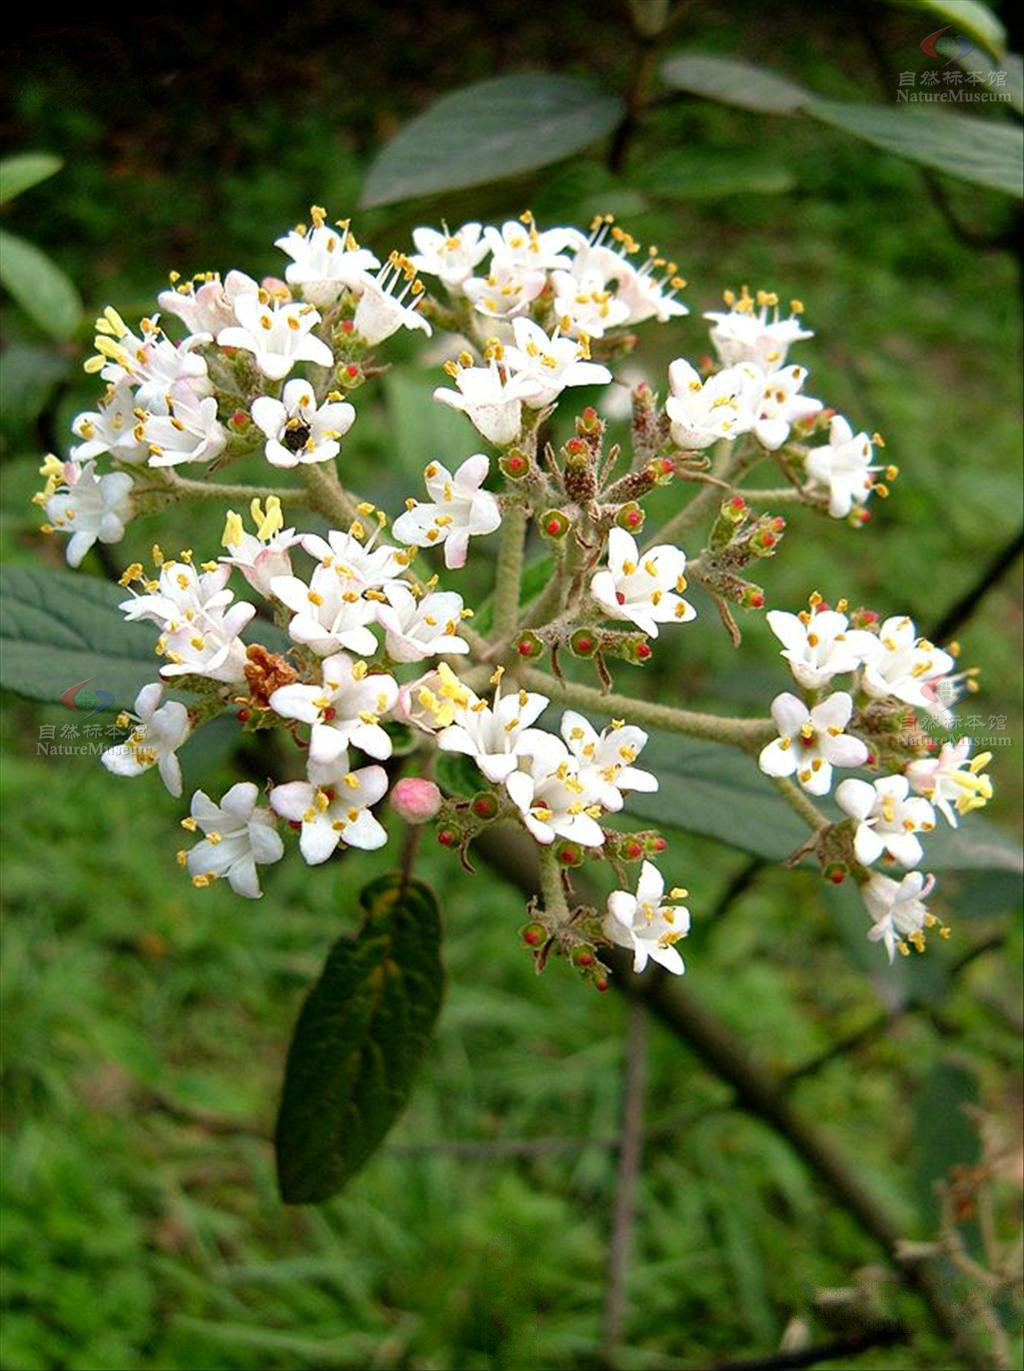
pixel 550 794
pixel 151 362
pixel 180 595
pixel 211 307
pixel 239 836
pixel 645 589
pixel 953 784
pixel 346 709
pixel 199 634
pixel 262 555
pixel 417 629
pixel 821 645
pixel 329 613
pixel 887 820
pixel 652 297
pixel 493 736
pixel 781 405
pixel 208 646
pixel 186 430
pixel 111 428
pixel 361 565
pixel 645 925
pixel 155 740
pixel 325 262
pixel 459 509
pixel 491 401
pixel 333 807
pixel 89 509
pixel 278 336
pixel 901 665
pixel 898 911
pixel 639 287
pixel 586 306
pixel 606 759
pixel 753 332
pixel 449 256
pixel 297 430
pixel 381 312
pixel 812 742
pixel 434 700
pixel 701 412
pixel 522 244
pixel 843 465
pixel 544 366
pixel 506 290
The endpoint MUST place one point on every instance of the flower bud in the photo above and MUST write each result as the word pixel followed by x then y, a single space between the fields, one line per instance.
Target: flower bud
pixel 350 376
pixel 534 934
pixel 415 800
pixel 569 854
pixel 554 524
pixel 514 464
pixel 589 422
pixel 484 804
pixel 630 517
pixel 583 643
pixel 731 517
pixel 529 646
pixel 583 956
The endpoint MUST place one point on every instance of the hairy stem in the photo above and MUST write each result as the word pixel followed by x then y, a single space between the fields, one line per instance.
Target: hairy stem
pixel 745 733
pixel 509 572
pixel 781 495
pixel 809 812
pixel 178 487
pixel 326 493
pixel 551 891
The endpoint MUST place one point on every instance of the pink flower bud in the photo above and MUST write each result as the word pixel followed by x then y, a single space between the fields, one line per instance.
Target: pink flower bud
pixel 415 800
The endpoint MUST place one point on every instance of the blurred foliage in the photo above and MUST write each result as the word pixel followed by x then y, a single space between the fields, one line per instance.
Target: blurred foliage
pixel 146 1021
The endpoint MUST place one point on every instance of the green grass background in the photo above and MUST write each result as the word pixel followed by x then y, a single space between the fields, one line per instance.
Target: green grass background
pixel 145 1022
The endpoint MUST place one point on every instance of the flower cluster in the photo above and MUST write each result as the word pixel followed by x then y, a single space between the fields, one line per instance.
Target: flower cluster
pixel 346 640
pixel 889 665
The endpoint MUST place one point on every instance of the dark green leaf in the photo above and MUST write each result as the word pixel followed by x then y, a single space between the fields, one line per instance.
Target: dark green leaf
pixel 39 286
pixel 489 132
pixel 985 152
pixel 457 775
pixel 733 83
pixel 359 1041
pixel 58 629
pixel 28 375
pixel 22 172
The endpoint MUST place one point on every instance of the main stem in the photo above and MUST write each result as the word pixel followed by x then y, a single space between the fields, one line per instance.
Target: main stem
pixel 326 493
pixel 551 891
pixel 744 733
pixel 509 572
